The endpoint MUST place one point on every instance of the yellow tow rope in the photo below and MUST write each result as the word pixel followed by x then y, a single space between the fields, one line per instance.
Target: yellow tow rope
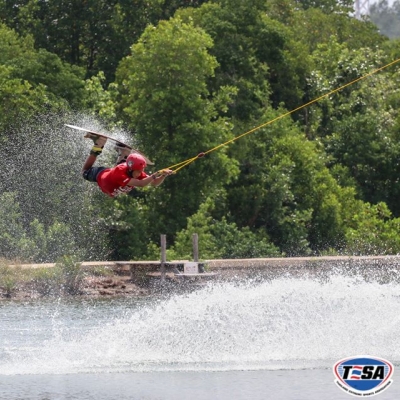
pixel 179 166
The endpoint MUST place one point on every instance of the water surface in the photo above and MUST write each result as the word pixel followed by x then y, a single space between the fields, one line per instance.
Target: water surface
pixel 274 339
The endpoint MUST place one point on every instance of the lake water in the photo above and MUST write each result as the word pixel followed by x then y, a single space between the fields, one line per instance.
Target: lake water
pixel 275 339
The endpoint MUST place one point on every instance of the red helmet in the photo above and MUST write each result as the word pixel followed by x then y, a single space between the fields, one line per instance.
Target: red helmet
pixel 136 162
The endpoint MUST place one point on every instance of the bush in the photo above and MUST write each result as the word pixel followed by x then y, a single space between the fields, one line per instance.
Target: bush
pixel 373 231
pixel 71 274
pixel 66 277
pixel 220 239
pixel 8 279
pixel 47 282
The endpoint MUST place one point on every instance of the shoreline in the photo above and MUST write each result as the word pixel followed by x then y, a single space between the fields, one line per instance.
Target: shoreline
pixel 121 278
pixel 236 262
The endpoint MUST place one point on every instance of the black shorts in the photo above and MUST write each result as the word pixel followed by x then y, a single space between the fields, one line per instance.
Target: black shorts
pixel 92 173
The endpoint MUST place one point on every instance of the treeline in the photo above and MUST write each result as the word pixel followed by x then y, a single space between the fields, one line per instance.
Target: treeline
pixel 184 77
pixel 386 17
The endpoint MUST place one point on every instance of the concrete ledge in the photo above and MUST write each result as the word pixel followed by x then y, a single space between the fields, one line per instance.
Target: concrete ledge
pixel 84 264
pixel 238 263
pixel 325 261
pixel 199 275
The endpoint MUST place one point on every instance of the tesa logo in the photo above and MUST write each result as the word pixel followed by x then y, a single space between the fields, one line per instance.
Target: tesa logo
pixel 363 375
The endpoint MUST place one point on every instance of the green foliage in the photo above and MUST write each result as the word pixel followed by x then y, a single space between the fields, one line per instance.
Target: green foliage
pixel 372 230
pixel 156 81
pixel 61 80
pixel 126 23
pixel 53 243
pixel 358 124
pixel 49 244
pixel 328 6
pixel 189 81
pixel 43 78
pixel 35 243
pixel 257 54
pixel 66 277
pixel 100 101
pixel 286 189
pixel 386 17
pixel 219 239
pixel 12 45
pixel 8 279
pixel 242 42
pixel 18 98
pixel 41 164
pixel 127 219
pixel 12 234
pixel 48 282
pixel 95 34
pixel 316 27
pixel 71 274
pixel 164 95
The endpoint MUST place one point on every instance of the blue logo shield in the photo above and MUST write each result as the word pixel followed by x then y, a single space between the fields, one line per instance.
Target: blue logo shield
pixel 363 375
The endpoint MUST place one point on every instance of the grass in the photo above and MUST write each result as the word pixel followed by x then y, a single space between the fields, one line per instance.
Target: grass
pixel 65 278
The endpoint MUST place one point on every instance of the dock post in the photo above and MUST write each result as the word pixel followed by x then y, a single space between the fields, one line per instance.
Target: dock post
pixel 195 239
pixel 163 256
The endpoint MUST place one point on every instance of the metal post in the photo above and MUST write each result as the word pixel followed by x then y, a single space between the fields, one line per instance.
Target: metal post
pixel 195 247
pixel 163 256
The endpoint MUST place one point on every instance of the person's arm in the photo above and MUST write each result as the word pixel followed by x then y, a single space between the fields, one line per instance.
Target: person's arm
pixel 154 179
pixel 143 182
pixel 161 175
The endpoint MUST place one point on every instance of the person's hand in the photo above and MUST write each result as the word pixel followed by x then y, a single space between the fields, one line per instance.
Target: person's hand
pixel 166 172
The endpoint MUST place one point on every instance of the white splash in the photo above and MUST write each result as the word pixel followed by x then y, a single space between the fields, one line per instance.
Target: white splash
pixel 285 323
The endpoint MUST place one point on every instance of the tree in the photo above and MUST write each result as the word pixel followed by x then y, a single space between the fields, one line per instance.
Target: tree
pixel 19 99
pixel 315 27
pixel 94 34
pixel 373 230
pixel 286 189
pixel 219 238
pixel 386 18
pixel 358 125
pixel 255 53
pixel 164 97
pixel 40 70
pixel 328 6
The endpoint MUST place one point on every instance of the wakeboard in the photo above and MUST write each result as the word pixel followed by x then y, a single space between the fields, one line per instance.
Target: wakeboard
pixel 118 143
